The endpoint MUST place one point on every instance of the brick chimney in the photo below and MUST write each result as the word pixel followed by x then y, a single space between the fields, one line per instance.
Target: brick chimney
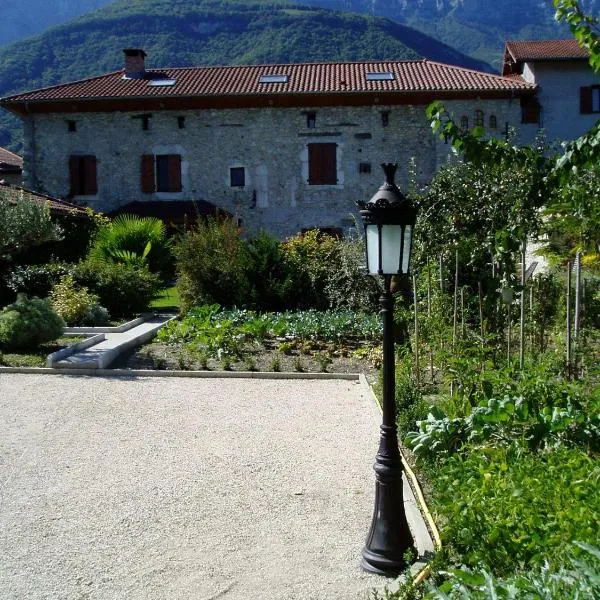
pixel 135 67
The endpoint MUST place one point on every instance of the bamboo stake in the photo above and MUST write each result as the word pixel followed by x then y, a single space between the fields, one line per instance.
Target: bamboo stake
pixel 577 298
pixel 577 311
pixel 441 274
pixel 531 315
pixel 509 333
pixel 454 322
pixel 569 317
pixel 462 313
pixel 522 332
pixel 417 366
pixel 429 316
pixel 481 326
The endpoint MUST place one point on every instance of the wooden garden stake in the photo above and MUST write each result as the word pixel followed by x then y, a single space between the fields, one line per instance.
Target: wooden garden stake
pixel 441 274
pixel 417 366
pixel 454 322
pixel 522 324
pixel 462 313
pixel 508 307
pixel 429 316
pixel 569 317
pixel 577 298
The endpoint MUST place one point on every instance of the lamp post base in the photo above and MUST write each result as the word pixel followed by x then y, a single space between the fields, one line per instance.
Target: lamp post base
pixel 389 536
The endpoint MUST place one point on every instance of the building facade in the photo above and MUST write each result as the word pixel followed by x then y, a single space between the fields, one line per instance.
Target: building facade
pixel 567 103
pixel 281 147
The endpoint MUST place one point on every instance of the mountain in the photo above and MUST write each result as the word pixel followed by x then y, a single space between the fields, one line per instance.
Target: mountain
pixel 478 28
pixel 205 32
pixel 22 18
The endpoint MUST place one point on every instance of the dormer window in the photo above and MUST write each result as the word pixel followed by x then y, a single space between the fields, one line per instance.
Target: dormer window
pixel 273 78
pixel 380 76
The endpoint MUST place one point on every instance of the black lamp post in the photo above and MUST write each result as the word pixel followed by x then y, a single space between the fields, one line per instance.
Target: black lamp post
pixel 389 218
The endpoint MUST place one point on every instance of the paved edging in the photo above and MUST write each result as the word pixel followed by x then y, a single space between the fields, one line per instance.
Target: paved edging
pixel 191 374
pixel 116 329
pixel 73 348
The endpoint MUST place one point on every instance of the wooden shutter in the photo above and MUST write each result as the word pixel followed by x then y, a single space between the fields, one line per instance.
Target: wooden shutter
pixel 75 174
pixel 322 164
pixel 147 173
pixel 174 168
pixel 90 180
pixel 585 100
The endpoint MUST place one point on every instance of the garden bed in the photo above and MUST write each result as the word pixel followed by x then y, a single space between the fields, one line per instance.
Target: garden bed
pixel 267 357
pixel 209 338
pixel 36 357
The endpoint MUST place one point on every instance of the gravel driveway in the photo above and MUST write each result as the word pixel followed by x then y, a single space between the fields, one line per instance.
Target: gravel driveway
pixel 184 488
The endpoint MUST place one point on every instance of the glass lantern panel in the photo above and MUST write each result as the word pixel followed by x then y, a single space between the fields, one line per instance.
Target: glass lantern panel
pixel 407 247
pixel 391 242
pixel 372 249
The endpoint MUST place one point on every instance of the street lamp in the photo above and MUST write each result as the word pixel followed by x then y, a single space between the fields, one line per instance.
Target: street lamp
pixel 389 218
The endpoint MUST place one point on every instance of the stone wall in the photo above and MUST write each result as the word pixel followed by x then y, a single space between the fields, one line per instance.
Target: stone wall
pixel 270 143
pixel 558 94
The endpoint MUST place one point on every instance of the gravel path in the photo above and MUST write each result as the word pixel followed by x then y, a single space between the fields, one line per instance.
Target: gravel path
pixel 184 488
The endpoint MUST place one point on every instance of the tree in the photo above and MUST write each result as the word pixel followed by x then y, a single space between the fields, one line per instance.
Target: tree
pixel 23 224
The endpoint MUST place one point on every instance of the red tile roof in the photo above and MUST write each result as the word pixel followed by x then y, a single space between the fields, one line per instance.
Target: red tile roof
pixel 546 50
pixel 312 78
pixel 57 207
pixel 10 162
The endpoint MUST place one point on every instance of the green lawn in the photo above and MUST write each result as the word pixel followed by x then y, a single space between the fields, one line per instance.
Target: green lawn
pixel 168 299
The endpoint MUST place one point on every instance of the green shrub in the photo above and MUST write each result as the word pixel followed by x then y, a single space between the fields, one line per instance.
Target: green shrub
pixel 349 286
pixel 266 273
pixel 212 261
pixel 36 280
pixel 76 305
pixel 29 322
pixel 507 508
pixel 125 290
pixel 578 578
pixel 309 259
pixel 131 239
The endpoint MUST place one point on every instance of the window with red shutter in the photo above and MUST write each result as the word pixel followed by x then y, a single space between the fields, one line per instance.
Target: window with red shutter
pixel 585 100
pixel 83 175
pixel 168 173
pixel 147 174
pixel 589 99
pixel 530 110
pixel 90 178
pixel 322 164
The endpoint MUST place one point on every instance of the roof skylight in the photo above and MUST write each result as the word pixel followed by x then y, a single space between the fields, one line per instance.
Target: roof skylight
pixel 162 82
pixel 273 78
pixel 380 76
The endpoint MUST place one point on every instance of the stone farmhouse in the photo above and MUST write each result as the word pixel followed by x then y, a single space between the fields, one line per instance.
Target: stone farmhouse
pixel 281 147
pixel 567 103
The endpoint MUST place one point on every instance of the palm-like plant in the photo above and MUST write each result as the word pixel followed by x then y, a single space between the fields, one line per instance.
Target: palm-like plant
pixel 132 239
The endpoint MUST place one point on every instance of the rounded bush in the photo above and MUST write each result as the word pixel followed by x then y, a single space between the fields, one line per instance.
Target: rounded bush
pixel 125 290
pixel 29 322
pixel 76 305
